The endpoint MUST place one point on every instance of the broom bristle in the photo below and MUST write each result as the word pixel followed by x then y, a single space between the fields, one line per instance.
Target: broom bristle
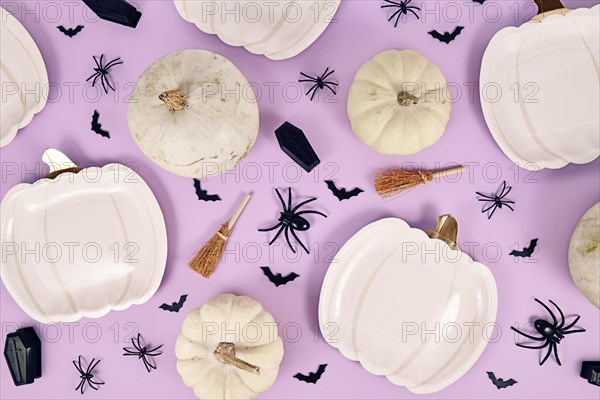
pixel 207 259
pixel 394 181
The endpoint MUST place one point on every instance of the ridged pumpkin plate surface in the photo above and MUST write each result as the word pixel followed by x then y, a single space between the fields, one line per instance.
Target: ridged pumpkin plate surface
pixel 540 94
pixel 81 245
pixel 407 306
pixel 23 77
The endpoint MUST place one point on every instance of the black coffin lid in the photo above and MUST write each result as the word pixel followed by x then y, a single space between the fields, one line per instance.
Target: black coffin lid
pixel 23 354
pixel 294 143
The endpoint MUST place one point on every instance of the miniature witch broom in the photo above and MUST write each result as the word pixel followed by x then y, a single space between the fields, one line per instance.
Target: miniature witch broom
pixel 394 181
pixel 207 259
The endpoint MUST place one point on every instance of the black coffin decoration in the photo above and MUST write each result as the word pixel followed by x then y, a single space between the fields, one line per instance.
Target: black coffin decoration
pixel 590 371
pixel 23 354
pixel 294 143
pixel 118 11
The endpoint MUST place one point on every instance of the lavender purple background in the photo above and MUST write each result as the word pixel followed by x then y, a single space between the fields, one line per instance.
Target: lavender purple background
pixel 549 203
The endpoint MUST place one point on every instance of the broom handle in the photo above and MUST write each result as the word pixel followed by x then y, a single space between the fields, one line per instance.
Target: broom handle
pixel 450 171
pixel 239 211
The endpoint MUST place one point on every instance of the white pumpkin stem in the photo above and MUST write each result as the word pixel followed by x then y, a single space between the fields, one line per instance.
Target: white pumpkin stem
pixel 405 99
pixel 225 353
pixel 174 99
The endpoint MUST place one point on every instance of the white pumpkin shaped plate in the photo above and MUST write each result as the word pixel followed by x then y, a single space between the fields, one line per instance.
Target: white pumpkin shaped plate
pixel 407 306
pixel 81 242
pixel 539 89
pixel 23 77
pixel 277 29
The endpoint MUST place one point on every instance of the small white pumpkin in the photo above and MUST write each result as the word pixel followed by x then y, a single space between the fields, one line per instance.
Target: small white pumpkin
pixel 584 255
pixel 194 113
pixel 399 103
pixel 277 29
pixel 407 305
pixel 229 349
pixel 23 78
pixel 81 242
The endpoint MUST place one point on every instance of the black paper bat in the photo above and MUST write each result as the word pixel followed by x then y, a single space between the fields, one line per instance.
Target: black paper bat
pixel 176 306
pixel 342 194
pixel 97 127
pixel 71 31
pixel 312 377
pixel 203 194
pixel 447 37
pixel 501 383
pixel 278 279
pixel 527 251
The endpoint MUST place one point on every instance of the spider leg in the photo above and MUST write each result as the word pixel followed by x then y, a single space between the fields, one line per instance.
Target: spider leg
pixel 397 20
pixel 105 77
pixel 314 90
pixel 311 212
pixel 96 383
pixel 98 64
pixel 533 347
pixel 80 385
pixel 326 74
pixel 136 343
pixel 329 87
pixel 116 61
pixel 556 353
pixel 504 194
pixel 411 10
pixel 153 350
pixel 78 366
pixel 277 235
pixel 92 365
pixel 146 364
pixel 547 355
pixel 395 5
pixel 309 77
pixel 270 229
pixel 562 316
pixel 392 2
pixel 526 335
pixel 509 206
pixel 287 238
pixel 289 205
pixel 488 208
pixel 299 241
pixel 572 324
pixel 93 76
pixel 549 312
pixel 493 211
pixel 485 195
pixel 575 331
pixel 394 14
pixel 303 203
pixel 330 83
pixel 307 80
pixel 103 84
pixel 281 200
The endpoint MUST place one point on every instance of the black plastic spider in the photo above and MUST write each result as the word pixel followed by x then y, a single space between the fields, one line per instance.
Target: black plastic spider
pixel 290 220
pixel 101 71
pixel 319 82
pixel 497 200
pixel 552 333
pixel 142 352
pixel 87 375
pixel 403 8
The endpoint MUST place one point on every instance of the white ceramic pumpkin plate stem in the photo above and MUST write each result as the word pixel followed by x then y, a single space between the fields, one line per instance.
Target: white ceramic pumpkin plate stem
pixel 81 242
pixel 540 88
pixel 407 306
pixel 23 78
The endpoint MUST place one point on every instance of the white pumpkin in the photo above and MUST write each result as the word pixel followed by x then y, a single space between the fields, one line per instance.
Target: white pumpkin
pixel 23 78
pixel 194 113
pixel 540 90
pixel 277 29
pixel 407 306
pixel 229 349
pixel 584 255
pixel 81 242
pixel 399 103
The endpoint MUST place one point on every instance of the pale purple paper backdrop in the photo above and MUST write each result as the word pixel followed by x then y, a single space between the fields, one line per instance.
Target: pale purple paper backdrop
pixel 549 203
